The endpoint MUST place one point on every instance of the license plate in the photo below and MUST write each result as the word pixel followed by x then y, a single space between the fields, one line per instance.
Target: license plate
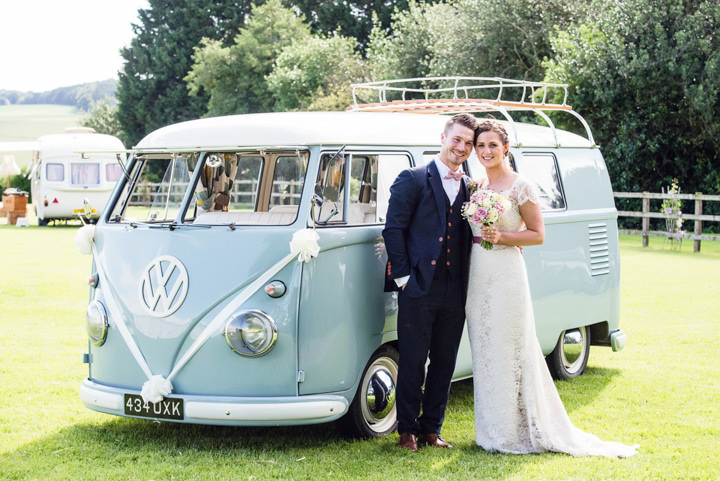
pixel 168 408
pixel 79 211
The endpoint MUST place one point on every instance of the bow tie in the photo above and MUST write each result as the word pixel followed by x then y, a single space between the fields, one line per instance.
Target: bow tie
pixel 454 175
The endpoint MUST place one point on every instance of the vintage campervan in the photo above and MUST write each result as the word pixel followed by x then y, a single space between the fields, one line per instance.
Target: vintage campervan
pixel 63 177
pixel 247 287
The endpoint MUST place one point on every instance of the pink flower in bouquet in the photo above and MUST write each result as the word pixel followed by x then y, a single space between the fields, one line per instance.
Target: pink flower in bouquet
pixel 485 207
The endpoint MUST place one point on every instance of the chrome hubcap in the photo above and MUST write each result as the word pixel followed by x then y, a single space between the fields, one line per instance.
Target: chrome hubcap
pixel 378 404
pixel 573 349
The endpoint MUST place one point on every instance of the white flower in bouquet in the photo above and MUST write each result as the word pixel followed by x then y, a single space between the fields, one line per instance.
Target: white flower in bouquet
pixel 485 207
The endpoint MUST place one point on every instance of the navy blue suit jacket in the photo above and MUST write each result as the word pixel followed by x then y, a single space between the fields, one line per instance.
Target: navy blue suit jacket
pixel 415 227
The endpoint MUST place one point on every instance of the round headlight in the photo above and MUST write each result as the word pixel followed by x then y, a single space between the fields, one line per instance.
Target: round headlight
pixel 96 323
pixel 251 333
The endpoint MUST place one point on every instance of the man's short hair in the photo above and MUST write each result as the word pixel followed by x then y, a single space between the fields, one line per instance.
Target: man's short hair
pixel 463 119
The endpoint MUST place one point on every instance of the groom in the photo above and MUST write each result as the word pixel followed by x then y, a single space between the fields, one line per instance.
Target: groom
pixel 428 245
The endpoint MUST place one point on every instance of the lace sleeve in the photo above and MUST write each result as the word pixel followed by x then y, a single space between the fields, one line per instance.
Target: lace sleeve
pixel 526 190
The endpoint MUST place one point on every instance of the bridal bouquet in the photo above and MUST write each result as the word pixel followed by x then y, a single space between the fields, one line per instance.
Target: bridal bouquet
pixel 485 207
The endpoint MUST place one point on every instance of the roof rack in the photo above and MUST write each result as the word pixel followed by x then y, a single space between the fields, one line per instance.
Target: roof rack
pixel 444 95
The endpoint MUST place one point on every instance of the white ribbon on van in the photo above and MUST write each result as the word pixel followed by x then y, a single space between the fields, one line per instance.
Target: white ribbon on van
pixel 303 245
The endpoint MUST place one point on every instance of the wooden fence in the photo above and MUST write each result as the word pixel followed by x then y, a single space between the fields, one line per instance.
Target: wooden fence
pixel 647 213
pixel 243 193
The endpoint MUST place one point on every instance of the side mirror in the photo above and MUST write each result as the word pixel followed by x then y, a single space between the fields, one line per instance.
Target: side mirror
pixel 87 210
pixel 318 202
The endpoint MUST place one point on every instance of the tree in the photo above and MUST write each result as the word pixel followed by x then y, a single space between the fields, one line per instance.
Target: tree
pixel 408 50
pixel 234 76
pixel 351 18
pixel 645 74
pixel 315 74
pixel 152 91
pixel 102 117
pixel 482 38
pixel 500 38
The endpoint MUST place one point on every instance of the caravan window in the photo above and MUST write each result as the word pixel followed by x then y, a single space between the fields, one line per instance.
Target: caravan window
pixel 112 172
pixel 85 174
pixel 55 172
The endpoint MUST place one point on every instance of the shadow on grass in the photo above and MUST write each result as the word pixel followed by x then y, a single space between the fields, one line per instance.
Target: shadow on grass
pixel 578 392
pixel 123 448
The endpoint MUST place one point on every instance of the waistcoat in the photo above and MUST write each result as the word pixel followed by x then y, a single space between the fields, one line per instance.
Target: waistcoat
pixel 448 264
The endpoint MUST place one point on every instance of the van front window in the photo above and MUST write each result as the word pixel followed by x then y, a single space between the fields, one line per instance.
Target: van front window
pixel 213 188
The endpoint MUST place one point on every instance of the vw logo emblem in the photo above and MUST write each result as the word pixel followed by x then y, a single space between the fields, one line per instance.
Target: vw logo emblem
pixel 163 286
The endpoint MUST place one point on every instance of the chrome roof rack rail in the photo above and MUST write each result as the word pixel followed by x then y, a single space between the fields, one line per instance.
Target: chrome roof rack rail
pixel 434 95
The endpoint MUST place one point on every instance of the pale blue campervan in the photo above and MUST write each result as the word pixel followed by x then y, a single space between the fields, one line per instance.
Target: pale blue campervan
pixel 238 267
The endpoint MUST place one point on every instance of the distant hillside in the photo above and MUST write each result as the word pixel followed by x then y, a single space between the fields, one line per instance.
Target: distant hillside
pixel 81 96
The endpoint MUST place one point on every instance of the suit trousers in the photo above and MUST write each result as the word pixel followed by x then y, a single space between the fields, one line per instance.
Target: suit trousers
pixel 431 327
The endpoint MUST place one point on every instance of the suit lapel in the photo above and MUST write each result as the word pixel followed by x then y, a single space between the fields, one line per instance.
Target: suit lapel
pixel 464 188
pixel 438 190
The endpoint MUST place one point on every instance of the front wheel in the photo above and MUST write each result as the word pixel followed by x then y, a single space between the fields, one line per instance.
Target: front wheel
pixel 373 412
pixel 570 356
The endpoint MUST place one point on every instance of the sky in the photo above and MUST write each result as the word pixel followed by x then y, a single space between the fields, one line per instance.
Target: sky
pixel 47 44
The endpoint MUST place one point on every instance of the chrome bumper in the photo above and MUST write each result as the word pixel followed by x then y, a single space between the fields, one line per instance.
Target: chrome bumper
pixel 241 411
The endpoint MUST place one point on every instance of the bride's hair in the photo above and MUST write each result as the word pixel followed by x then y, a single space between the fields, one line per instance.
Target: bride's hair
pixel 492 125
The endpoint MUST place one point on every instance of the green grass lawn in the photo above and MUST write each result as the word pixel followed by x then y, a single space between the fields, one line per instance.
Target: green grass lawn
pixel 662 391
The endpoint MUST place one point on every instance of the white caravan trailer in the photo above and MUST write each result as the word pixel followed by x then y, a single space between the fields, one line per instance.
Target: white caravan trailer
pixel 63 177
pixel 68 169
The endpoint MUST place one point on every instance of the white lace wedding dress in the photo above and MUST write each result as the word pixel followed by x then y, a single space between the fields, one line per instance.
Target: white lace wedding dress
pixel 517 408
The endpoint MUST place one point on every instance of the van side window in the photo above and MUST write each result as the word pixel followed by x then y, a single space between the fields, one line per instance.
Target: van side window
pixel 542 169
pixel 363 189
pixel 54 172
pixel 389 166
pixel 428 156
pixel 84 174
pixel 368 189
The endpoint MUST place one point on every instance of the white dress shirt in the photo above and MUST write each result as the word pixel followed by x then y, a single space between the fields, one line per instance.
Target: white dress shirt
pixel 451 186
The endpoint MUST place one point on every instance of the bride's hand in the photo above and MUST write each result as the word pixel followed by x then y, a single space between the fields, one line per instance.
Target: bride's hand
pixel 490 234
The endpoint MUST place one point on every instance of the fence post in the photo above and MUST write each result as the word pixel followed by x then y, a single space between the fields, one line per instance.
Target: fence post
pixel 698 222
pixel 645 219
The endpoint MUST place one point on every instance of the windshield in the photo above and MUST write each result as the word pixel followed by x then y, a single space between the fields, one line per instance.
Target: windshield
pixel 208 188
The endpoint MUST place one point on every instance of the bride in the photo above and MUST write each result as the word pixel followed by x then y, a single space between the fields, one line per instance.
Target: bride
pixel 517 408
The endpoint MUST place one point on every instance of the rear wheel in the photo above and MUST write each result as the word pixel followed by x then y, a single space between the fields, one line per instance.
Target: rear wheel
pixel 373 412
pixel 41 222
pixel 570 356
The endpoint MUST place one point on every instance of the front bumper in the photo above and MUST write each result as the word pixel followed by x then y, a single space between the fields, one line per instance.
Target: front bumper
pixel 226 410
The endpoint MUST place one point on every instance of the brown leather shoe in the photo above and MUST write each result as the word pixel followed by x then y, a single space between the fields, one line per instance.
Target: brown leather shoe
pixel 408 441
pixel 433 440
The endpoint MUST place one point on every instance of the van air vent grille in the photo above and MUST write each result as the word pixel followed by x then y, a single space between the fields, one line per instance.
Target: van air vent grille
pixel 599 249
